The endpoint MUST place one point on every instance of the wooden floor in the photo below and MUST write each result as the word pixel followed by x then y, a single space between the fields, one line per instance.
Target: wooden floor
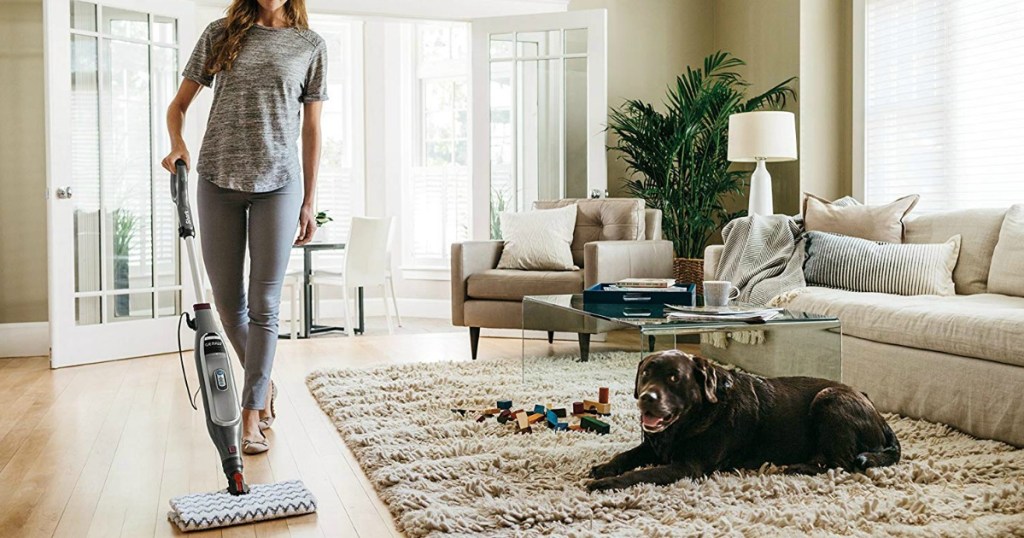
pixel 98 450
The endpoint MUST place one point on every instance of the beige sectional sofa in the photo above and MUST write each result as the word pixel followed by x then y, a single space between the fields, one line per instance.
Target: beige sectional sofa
pixel 957 359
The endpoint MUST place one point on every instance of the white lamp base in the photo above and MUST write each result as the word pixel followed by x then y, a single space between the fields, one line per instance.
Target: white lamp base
pixel 760 191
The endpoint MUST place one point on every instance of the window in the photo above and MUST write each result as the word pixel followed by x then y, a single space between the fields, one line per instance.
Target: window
pixel 942 106
pixel 340 186
pixel 436 197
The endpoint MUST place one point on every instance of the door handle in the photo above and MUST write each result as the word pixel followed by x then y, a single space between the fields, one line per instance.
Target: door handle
pixel 64 192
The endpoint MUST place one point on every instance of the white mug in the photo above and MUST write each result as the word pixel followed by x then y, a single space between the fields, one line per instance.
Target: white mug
pixel 719 292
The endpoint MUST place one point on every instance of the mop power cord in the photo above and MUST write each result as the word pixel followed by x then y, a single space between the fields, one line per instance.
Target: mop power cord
pixel 237 504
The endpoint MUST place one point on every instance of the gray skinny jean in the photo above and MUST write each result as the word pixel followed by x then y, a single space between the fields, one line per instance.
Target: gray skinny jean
pixel 269 221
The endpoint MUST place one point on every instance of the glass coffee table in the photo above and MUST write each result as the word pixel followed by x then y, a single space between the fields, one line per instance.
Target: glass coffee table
pixel 793 344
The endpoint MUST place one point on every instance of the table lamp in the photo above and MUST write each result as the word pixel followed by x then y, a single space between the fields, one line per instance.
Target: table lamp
pixel 763 136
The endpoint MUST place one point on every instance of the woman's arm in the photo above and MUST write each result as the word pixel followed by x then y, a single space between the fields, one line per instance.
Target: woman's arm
pixel 310 165
pixel 176 121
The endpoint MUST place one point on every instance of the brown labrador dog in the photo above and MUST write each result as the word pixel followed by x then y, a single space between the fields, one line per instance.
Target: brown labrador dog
pixel 698 418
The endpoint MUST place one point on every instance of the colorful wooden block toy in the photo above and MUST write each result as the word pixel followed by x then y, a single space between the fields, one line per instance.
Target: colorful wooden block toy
pixel 503 404
pixel 595 425
pixel 522 421
pixel 602 395
pixel 591 406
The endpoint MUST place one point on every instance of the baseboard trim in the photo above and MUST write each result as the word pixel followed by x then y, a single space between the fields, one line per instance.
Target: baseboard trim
pixel 30 339
pixel 412 308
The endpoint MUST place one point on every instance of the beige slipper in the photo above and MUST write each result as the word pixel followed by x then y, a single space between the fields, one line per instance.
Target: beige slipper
pixel 266 423
pixel 251 447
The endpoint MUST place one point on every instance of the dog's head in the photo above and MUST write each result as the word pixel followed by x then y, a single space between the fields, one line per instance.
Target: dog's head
pixel 671 385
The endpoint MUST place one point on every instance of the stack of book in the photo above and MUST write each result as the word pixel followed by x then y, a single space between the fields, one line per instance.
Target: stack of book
pixel 642 284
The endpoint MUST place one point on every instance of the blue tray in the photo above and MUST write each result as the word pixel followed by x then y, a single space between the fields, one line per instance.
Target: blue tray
pixel 681 294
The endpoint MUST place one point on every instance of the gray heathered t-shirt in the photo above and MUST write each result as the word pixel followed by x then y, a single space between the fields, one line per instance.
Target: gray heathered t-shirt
pixel 250 142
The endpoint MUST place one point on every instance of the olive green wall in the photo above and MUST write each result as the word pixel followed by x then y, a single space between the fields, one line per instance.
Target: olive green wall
pixel 22 164
pixel 766 35
pixel 650 42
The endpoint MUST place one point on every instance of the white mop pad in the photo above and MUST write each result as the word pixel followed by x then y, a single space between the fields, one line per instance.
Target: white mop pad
pixel 200 511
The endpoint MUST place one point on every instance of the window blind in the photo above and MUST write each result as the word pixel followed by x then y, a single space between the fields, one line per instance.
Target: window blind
pixel 944 102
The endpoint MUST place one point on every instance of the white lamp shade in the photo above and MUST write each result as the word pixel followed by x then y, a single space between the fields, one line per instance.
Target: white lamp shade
pixel 767 135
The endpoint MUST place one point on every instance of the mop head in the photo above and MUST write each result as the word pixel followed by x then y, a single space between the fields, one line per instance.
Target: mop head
pixel 264 501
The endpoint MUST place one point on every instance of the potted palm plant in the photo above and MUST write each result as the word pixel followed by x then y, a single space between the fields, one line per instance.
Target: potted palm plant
pixel 676 159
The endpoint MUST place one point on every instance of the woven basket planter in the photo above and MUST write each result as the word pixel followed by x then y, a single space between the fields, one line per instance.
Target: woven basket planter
pixel 690 270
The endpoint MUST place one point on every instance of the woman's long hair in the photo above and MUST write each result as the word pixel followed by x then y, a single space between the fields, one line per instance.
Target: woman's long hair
pixel 242 15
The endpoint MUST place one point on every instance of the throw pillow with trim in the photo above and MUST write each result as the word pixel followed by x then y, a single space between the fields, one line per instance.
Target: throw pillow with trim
pixel 873 222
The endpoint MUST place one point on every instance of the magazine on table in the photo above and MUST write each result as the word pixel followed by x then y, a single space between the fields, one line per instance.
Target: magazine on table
pixel 746 313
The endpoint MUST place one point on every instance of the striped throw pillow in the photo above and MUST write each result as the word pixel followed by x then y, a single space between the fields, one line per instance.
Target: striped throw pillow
pixel 850 263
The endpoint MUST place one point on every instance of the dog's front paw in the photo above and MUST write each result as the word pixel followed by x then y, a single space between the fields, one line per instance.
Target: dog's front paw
pixel 604 470
pixel 605 484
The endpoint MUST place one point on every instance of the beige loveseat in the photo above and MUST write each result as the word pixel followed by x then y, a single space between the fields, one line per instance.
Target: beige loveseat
pixel 604 247
pixel 959 359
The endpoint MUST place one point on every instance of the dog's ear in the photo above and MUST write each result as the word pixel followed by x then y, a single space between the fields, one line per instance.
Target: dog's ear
pixel 710 375
pixel 640 368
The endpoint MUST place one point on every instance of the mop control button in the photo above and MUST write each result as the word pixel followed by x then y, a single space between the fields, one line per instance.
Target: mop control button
pixel 220 379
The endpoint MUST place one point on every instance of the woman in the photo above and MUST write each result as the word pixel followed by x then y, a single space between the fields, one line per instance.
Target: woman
pixel 268 67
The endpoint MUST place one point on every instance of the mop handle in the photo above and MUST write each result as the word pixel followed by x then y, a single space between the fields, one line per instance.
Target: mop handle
pixel 186 230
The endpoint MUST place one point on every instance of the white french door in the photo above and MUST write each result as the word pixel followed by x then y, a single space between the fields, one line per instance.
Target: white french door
pixel 114 259
pixel 540 104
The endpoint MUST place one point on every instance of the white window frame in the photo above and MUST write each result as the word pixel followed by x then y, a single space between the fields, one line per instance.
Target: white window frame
pixel 858 80
pixel 418 267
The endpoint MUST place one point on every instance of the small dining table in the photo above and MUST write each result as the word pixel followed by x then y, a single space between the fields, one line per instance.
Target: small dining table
pixel 308 327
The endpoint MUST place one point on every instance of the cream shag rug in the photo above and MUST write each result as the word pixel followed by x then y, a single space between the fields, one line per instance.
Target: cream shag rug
pixel 441 473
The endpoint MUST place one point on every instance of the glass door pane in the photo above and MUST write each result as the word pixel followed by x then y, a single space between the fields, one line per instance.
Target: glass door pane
pixel 539 121
pixel 576 129
pixel 166 246
pixel 85 170
pixel 127 172
pixel 502 154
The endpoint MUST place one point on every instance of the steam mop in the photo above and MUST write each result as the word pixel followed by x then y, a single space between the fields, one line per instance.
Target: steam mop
pixel 239 503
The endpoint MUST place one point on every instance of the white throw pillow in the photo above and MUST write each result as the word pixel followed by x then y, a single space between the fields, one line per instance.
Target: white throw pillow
pixel 538 240
pixel 1006 275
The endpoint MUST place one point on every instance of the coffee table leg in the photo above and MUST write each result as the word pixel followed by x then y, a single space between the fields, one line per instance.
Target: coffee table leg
pixel 584 347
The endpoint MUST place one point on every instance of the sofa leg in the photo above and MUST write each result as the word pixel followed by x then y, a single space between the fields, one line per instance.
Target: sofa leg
pixel 551 337
pixel 474 340
pixel 584 347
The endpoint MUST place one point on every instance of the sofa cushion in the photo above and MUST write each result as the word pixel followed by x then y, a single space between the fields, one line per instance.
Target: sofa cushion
pixel 978 230
pixel 872 222
pixel 538 240
pixel 1007 272
pixel 512 285
pixel 602 219
pixel 851 263
pixel 984 326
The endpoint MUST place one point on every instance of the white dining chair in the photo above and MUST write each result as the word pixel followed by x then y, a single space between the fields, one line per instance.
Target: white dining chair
pixel 367 262
pixel 292 285
pixel 390 278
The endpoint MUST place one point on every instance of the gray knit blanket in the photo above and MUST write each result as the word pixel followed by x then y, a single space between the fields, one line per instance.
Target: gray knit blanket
pixel 763 256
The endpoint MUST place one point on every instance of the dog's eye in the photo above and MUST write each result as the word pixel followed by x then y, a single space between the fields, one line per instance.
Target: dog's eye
pixel 643 374
pixel 673 378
